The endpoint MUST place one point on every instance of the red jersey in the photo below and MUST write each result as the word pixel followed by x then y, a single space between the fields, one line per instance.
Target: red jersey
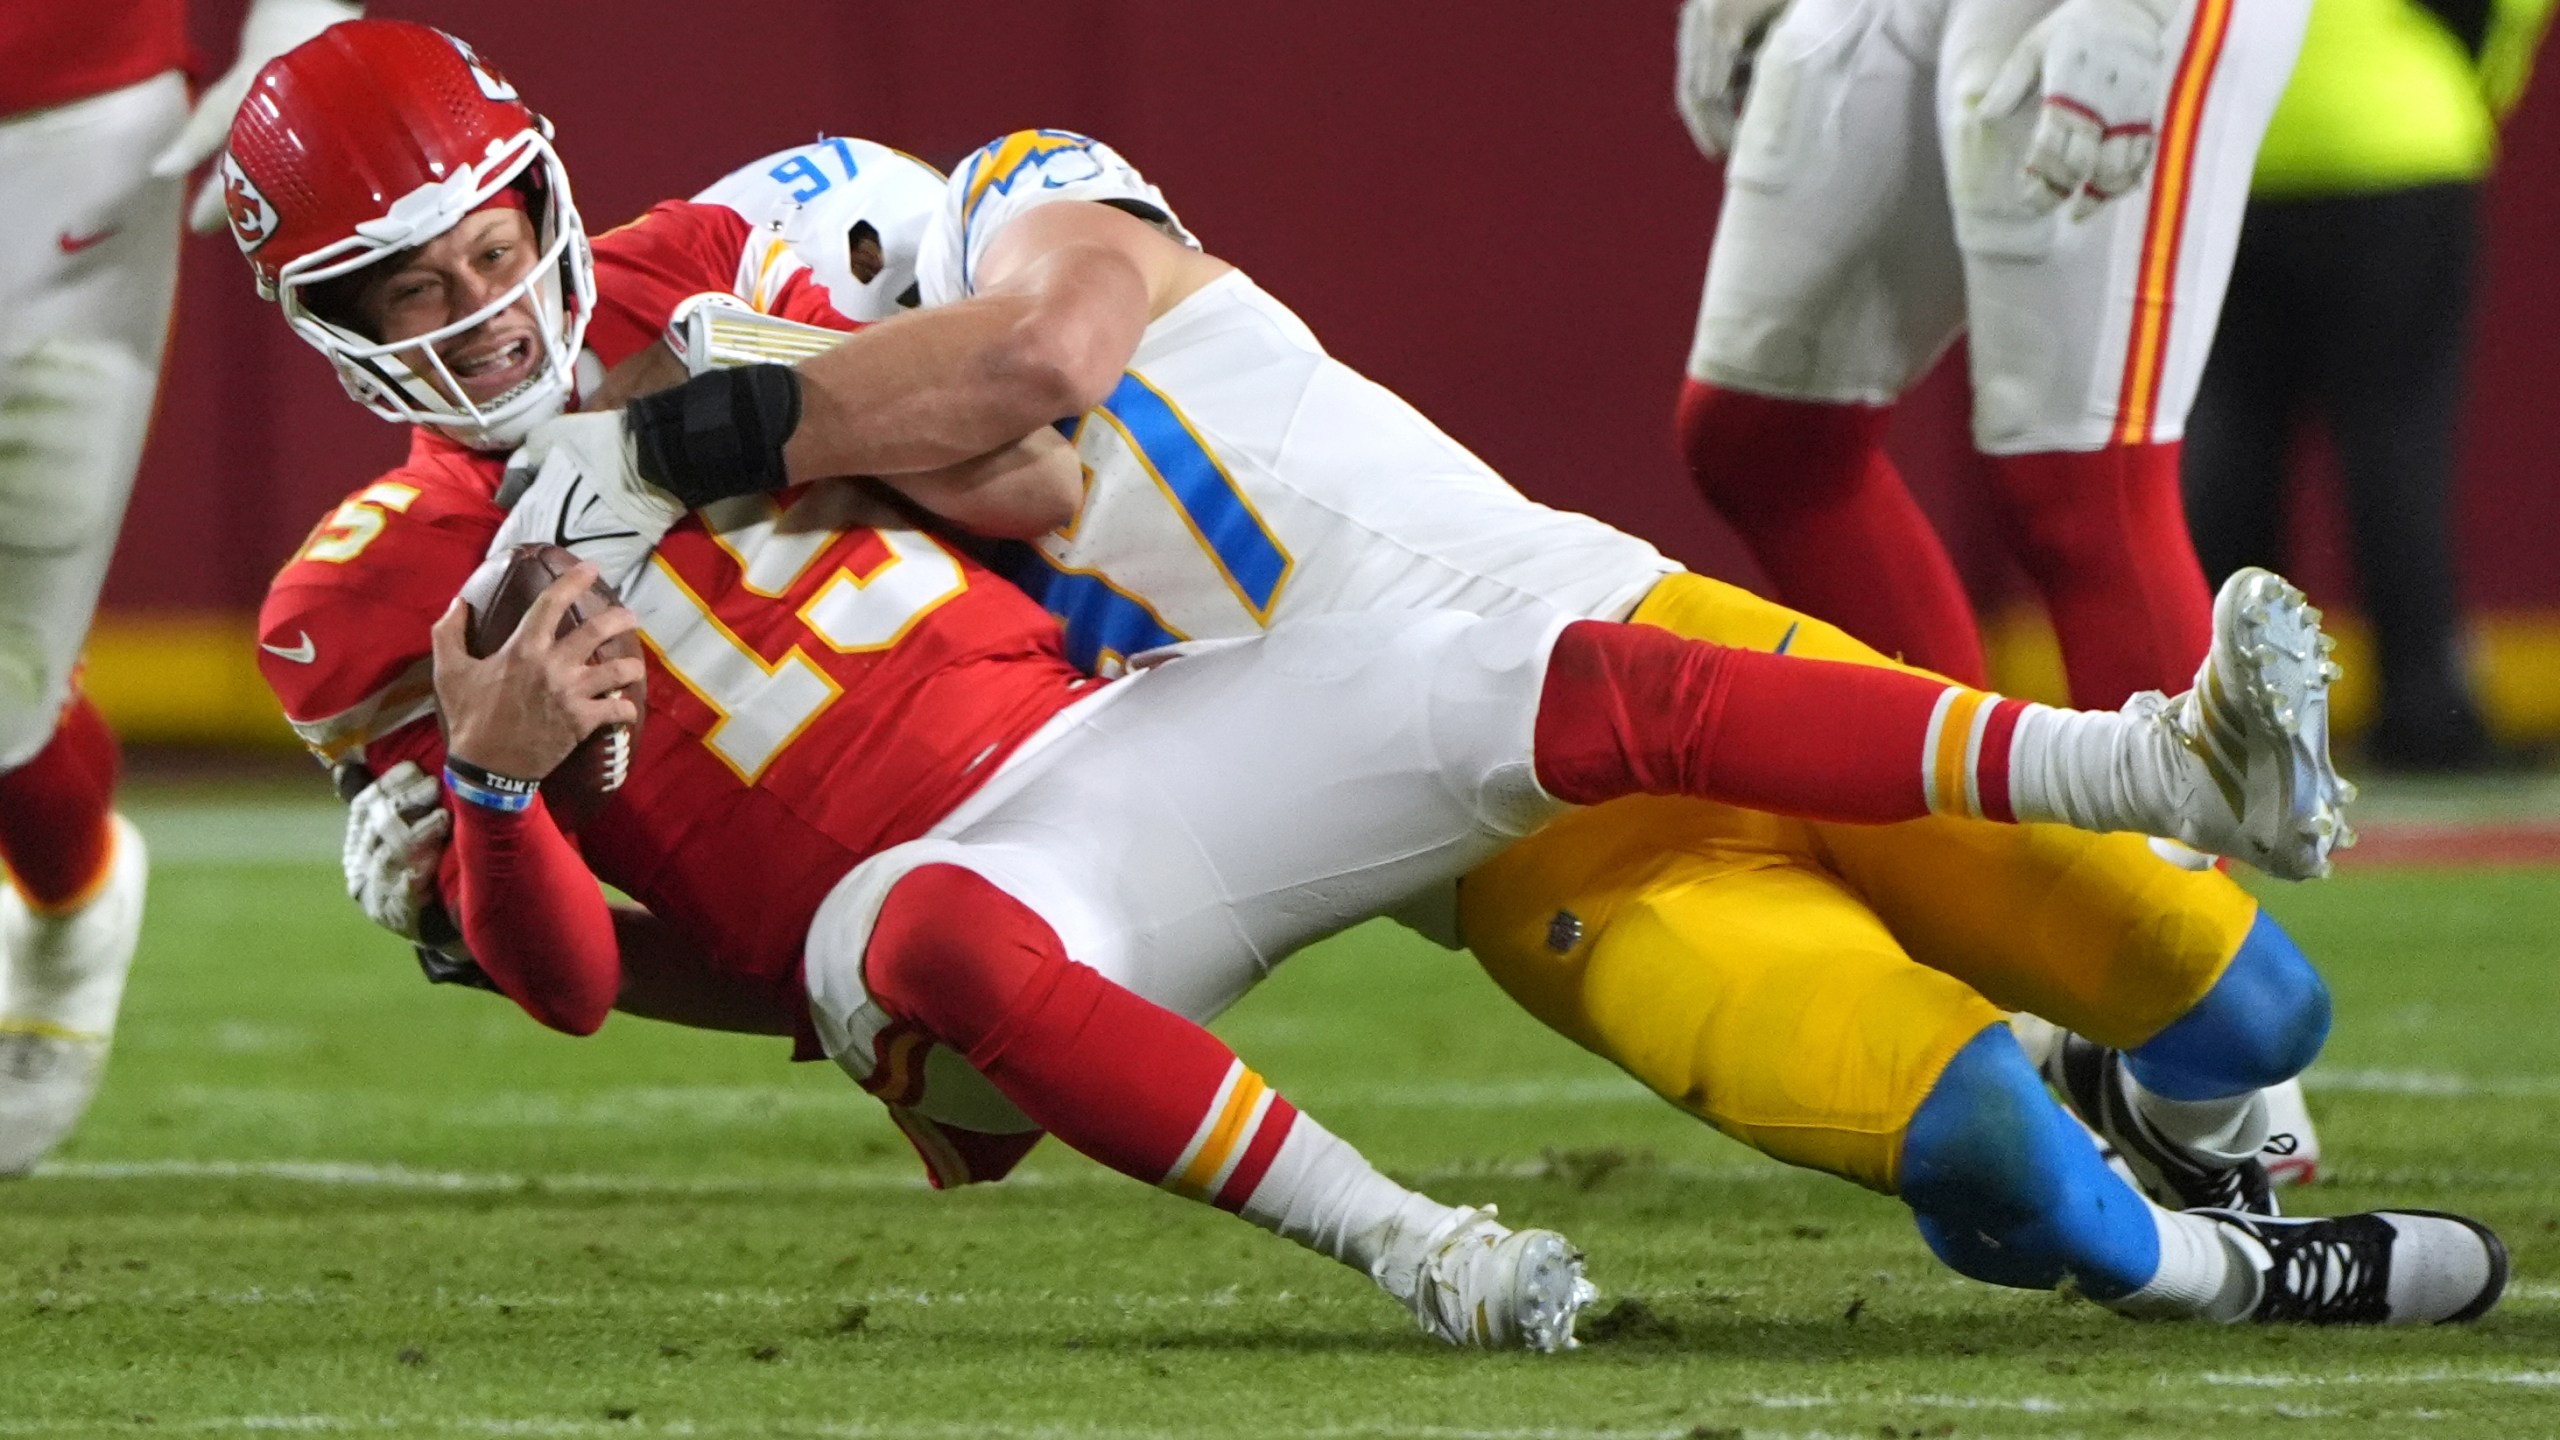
pixel 53 52
pixel 818 690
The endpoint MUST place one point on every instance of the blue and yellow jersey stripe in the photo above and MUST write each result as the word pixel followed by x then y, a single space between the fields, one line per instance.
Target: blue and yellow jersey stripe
pixel 1107 622
pixel 1249 557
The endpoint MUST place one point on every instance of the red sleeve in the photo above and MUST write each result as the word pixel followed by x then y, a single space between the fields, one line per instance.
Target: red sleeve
pixel 347 670
pixel 678 250
pixel 645 269
pixel 532 915
pixel 342 634
pixel 805 300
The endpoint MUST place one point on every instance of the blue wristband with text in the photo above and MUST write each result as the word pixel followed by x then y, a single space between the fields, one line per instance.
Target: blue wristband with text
pixel 488 789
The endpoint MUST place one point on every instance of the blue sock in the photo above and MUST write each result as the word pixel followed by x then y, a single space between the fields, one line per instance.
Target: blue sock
pixel 2007 1189
pixel 2259 1025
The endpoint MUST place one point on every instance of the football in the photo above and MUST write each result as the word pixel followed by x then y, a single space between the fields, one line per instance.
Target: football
pixel 498 594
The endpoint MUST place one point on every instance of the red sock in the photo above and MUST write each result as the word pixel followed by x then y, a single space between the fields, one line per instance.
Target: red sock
pixel 1811 491
pixel 1127 1082
pixel 55 811
pixel 1629 710
pixel 2103 534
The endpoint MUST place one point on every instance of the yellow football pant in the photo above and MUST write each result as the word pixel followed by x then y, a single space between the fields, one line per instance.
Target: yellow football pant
pixel 1800 986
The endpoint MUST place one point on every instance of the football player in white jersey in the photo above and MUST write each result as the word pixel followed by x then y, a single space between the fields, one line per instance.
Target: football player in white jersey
pixel 95 140
pixel 1239 477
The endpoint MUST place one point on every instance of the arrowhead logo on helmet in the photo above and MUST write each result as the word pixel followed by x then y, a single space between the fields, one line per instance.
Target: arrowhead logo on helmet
pixel 252 218
pixel 491 83
pixel 375 138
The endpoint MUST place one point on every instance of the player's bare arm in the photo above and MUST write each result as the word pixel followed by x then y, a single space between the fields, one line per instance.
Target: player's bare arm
pixel 1019 492
pixel 1064 296
pixel 1024 488
pixel 1066 293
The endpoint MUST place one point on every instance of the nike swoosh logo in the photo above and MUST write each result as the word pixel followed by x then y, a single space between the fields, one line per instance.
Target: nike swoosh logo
pixel 572 530
pixel 302 654
pixel 73 244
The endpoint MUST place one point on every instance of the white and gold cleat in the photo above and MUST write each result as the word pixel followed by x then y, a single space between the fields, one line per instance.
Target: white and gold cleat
pixel 66 979
pixel 2254 735
pixel 1486 1286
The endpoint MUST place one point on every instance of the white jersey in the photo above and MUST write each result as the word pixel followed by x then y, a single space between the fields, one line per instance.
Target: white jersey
pixel 1238 475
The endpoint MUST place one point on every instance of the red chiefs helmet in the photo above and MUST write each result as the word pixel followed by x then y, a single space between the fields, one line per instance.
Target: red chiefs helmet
pixel 374 138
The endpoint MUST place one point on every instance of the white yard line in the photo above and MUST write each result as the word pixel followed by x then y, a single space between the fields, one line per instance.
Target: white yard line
pixel 2024 1404
pixel 223 834
pixel 356 1174
pixel 2430 1084
pixel 1380 1429
pixel 855 1430
pixel 1226 1298
pixel 640 1424
pixel 380 1175
pixel 658 1105
pixel 2284 1379
pixel 651 1107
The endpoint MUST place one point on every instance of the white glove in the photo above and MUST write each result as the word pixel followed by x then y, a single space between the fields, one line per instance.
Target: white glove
pixel 2100 65
pixel 716 330
pixel 1718 39
pixel 396 829
pixel 272 28
pixel 576 483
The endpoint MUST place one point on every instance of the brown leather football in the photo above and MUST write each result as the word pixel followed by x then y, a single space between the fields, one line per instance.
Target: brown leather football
pixel 498 594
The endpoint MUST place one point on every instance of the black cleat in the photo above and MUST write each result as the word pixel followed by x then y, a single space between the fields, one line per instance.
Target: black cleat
pixel 2390 1267
pixel 2094 1083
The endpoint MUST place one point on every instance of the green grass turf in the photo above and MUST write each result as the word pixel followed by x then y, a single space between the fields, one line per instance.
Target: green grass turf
pixel 318 1196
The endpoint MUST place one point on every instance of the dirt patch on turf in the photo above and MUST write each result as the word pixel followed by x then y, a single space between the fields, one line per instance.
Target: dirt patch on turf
pixel 2431 844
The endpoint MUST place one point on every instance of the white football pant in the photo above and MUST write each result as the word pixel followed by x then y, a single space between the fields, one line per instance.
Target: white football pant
pixel 88 271
pixel 1186 829
pixel 1869 217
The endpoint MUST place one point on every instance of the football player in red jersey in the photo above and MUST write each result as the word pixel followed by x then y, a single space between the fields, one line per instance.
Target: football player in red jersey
pixel 857 739
pixel 906 676
pixel 90 94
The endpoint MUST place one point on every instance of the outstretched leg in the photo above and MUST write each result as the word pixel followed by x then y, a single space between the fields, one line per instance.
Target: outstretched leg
pixel 2007 1190
pixel 2188 1108
pixel 1809 487
pixel 2103 535
pixel 1128 838
pixel 70 916
pixel 2238 767
pixel 1155 1097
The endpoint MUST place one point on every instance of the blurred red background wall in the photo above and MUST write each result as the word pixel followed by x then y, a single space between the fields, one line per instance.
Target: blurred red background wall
pixel 1491 208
